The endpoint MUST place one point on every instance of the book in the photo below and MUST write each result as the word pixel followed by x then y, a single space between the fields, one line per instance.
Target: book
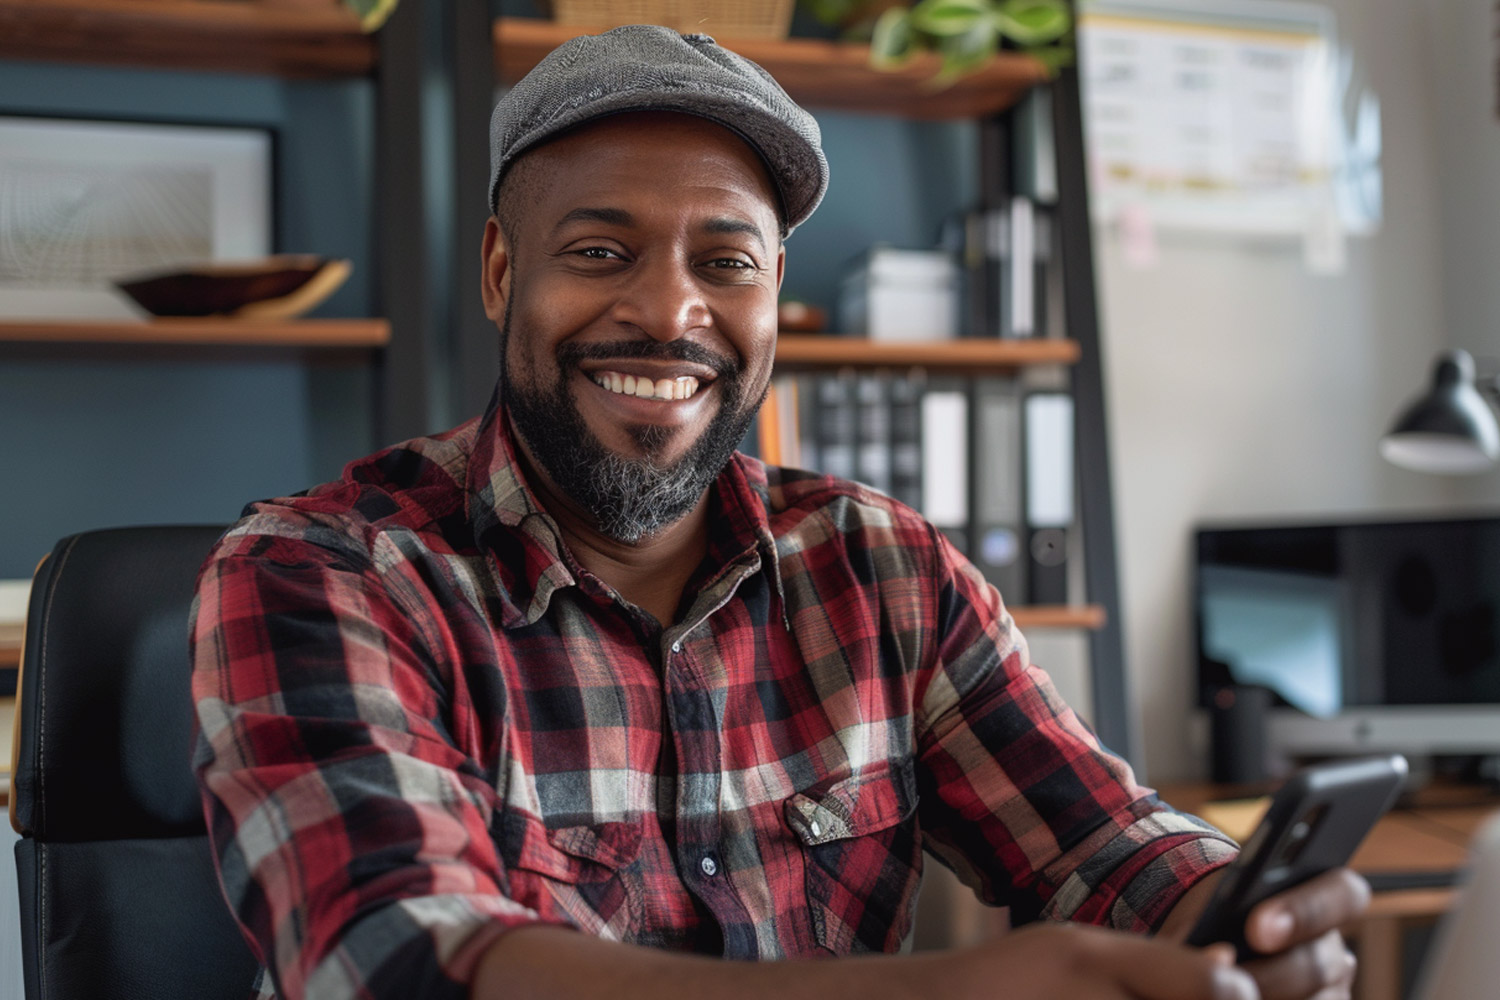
pixel 906 388
pixel 945 458
pixel 1048 421
pixel 835 420
pixel 998 535
pixel 872 458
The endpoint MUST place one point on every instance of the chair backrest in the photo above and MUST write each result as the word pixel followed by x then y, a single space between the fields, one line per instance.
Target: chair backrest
pixel 117 886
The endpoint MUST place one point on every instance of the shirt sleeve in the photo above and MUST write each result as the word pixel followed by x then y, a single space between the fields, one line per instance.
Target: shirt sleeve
pixel 352 836
pixel 1019 798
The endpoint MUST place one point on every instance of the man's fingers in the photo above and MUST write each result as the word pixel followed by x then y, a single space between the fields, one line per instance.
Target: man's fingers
pixel 1307 911
pixel 1322 968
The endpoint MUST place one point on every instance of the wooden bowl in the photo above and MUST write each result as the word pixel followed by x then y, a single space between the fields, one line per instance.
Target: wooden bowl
pixel 279 287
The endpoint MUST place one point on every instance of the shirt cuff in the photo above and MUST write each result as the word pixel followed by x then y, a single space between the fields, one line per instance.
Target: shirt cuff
pixel 427 946
pixel 1134 880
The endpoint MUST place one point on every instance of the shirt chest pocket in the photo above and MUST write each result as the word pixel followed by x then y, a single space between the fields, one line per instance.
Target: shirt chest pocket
pixel 863 855
pixel 581 875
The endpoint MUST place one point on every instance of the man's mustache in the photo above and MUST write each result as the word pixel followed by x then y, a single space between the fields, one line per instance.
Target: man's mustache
pixel 672 350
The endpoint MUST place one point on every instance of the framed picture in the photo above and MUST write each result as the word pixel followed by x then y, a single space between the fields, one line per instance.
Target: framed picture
pixel 83 203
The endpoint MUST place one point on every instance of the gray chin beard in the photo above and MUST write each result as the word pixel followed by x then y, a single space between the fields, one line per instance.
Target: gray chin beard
pixel 631 499
pixel 628 498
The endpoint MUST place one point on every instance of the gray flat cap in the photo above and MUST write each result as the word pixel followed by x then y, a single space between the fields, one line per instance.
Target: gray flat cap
pixel 644 67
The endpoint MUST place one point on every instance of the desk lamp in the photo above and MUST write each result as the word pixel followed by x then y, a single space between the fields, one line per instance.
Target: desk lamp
pixel 1450 429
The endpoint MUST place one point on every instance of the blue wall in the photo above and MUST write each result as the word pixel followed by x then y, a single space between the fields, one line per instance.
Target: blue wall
pixel 104 440
pixel 97 439
pixel 891 182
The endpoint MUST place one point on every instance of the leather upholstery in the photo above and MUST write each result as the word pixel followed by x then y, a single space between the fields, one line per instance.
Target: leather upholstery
pixel 118 894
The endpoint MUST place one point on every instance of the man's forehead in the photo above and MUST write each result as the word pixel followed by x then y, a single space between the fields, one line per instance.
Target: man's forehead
pixel 605 150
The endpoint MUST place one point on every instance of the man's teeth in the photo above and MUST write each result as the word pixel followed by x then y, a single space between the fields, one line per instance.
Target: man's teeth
pixel 663 388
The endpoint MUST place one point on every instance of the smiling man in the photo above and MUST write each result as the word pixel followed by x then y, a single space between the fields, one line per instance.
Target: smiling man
pixel 575 701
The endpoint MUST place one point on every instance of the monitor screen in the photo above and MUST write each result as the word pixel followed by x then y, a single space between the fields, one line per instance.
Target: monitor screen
pixel 1359 620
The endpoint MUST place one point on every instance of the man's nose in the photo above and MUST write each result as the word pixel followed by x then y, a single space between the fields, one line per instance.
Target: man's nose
pixel 665 299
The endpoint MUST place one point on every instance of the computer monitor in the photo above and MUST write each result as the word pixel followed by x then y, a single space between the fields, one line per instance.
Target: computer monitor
pixel 1376 636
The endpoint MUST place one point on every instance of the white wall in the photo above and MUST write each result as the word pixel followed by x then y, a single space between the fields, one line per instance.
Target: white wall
pixel 1465 104
pixel 1242 387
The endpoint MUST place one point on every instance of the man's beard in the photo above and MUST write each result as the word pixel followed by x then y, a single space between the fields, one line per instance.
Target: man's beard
pixel 628 498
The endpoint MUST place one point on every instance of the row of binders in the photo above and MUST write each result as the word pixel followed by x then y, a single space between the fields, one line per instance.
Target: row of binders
pixel 984 458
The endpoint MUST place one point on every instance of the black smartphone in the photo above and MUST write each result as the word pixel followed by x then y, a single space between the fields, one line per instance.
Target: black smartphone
pixel 1314 823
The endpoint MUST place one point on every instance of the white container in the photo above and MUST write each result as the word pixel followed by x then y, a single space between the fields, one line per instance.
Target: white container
pixel 906 295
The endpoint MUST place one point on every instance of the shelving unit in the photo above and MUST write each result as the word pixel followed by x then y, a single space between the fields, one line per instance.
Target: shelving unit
pixel 1090 617
pixel 284 40
pixel 10 646
pixel 306 40
pixel 833 75
pixel 311 41
pixel 814 351
pixel 332 334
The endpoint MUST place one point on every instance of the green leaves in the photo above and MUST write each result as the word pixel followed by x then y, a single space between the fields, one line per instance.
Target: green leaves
pixel 965 33
pixel 1032 22
pixel 894 40
pixel 949 18
pixel 372 13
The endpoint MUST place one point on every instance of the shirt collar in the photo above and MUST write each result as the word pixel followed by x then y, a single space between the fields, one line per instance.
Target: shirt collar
pixel 528 554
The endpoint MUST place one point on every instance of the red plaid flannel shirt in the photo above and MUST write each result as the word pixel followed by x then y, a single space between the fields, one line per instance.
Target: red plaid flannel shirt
pixel 422 723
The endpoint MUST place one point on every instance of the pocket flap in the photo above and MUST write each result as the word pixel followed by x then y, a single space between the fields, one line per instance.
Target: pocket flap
pixel 613 845
pixel 875 799
pixel 559 853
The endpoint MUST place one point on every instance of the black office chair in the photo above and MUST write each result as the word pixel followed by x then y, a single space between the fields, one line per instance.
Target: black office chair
pixel 118 893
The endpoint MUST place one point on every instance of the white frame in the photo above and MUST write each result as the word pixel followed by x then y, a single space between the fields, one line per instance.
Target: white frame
pixel 1303 204
pixel 239 204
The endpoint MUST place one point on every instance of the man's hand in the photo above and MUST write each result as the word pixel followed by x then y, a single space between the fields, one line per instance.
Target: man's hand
pixel 1298 932
pixel 1047 961
pixel 1040 962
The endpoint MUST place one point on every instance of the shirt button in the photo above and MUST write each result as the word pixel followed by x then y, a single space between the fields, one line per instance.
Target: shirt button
pixel 710 867
pixel 677 647
pixel 815 829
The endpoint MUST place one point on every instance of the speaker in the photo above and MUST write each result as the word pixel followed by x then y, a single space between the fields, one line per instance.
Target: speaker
pixel 1237 721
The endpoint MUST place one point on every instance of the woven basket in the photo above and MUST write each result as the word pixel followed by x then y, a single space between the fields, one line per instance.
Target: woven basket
pixel 720 18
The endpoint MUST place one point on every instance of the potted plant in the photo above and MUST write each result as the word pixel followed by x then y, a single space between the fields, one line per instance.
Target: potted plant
pixel 965 33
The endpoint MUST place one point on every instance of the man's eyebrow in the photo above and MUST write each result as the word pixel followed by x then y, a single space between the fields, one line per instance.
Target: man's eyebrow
pixel 608 216
pixel 719 224
pixel 726 225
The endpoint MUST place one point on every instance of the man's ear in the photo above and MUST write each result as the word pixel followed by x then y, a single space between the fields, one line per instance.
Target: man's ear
pixel 780 266
pixel 495 280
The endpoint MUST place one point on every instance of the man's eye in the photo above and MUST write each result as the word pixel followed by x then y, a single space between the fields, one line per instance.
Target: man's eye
pixel 731 264
pixel 597 253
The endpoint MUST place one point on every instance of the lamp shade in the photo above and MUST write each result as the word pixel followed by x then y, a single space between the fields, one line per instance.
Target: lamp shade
pixel 1450 429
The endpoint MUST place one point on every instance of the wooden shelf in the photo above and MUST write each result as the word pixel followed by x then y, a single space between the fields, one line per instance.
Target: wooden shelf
pixel 970 354
pixel 824 74
pixel 10 646
pixel 1086 616
pixel 307 333
pixel 283 39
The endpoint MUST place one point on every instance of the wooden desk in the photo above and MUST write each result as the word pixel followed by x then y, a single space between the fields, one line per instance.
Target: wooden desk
pixel 1431 836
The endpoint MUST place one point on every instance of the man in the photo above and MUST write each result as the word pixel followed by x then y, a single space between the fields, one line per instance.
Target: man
pixel 573 701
